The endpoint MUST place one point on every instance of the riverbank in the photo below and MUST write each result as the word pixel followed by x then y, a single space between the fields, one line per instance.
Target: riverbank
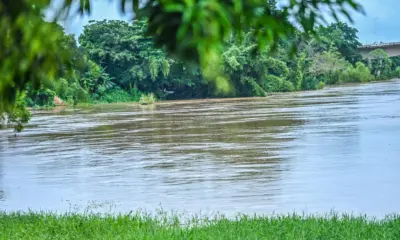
pixel 36 225
pixel 58 108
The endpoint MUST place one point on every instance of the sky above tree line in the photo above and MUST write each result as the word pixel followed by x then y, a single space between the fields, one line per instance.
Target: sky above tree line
pixel 379 24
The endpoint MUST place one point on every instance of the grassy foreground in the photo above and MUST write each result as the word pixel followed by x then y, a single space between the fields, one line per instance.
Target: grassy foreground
pixel 141 226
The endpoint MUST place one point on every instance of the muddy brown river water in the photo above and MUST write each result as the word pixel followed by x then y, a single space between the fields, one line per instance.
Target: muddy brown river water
pixel 335 149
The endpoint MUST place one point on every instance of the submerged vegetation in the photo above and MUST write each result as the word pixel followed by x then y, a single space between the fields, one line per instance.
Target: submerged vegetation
pixel 147 99
pixel 43 225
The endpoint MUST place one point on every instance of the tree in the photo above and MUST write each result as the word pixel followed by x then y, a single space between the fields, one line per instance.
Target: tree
pixel 343 37
pixel 380 64
pixel 327 65
pixel 191 30
pixel 127 55
pixel 31 50
pixel 360 73
pixel 17 115
pixel 254 75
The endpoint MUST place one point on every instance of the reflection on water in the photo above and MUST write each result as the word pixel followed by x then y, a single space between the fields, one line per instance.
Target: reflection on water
pixel 310 151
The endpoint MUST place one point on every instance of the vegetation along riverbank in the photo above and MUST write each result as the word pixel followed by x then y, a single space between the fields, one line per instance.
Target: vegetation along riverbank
pixel 109 68
pixel 115 61
pixel 36 225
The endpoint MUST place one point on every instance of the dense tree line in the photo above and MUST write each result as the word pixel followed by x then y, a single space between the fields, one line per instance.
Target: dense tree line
pixel 32 57
pixel 117 62
pixel 189 30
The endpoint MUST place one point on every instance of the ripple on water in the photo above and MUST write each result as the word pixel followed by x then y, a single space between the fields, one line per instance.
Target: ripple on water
pixel 313 151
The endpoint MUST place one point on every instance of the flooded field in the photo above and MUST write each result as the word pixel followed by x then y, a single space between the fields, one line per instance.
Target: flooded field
pixel 317 151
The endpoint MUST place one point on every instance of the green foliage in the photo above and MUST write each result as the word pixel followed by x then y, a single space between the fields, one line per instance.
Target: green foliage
pixel 208 49
pixel 41 97
pixel 310 83
pixel 76 94
pixel 117 95
pixel 344 39
pixel 147 99
pixel 119 62
pixel 327 66
pixel 250 87
pixel 380 64
pixel 16 116
pixel 360 73
pixel 62 88
pixel 33 50
pixel 287 86
pixel 395 62
pixel 271 83
pixel 126 55
pixel 95 80
pixel 296 67
pixel 320 85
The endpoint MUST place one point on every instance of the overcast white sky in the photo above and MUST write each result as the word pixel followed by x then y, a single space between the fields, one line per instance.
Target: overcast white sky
pixel 380 24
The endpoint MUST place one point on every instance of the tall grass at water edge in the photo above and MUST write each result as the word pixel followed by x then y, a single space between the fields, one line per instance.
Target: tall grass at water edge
pixel 147 99
pixel 45 225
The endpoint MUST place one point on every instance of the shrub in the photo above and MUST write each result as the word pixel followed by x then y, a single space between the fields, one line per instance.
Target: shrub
pixel 135 94
pixel 44 97
pixel 397 72
pixel 271 83
pixel 18 115
pixel 309 83
pixel 360 73
pixel 116 95
pixel 286 86
pixel 332 78
pixel 62 89
pixel 251 88
pixel 320 85
pixel 296 78
pixel 76 94
pixel 380 64
pixel 147 99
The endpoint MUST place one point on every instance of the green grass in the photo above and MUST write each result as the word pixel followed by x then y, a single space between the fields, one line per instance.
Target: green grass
pixel 33 225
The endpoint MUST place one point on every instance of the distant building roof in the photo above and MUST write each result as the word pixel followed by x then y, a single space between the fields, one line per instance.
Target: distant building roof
pixel 379 45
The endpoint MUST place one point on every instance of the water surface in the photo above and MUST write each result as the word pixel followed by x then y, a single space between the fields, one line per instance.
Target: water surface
pixel 337 148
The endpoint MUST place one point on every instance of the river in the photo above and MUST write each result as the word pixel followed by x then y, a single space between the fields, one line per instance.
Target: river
pixel 334 149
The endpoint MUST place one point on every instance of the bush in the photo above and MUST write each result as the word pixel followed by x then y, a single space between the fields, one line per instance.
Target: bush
pixel 76 94
pixel 309 83
pixel 273 83
pixel 147 99
pixel 18 115
pixel 135 94
pixel 380 64
pixel 62 89
pixel 44 97
pixel 116 95
pixel 360 73
pixel 296 78
pixel 331 78
pixel 286 86
pixel 320 85
pixel 249 87
pixel 397 72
